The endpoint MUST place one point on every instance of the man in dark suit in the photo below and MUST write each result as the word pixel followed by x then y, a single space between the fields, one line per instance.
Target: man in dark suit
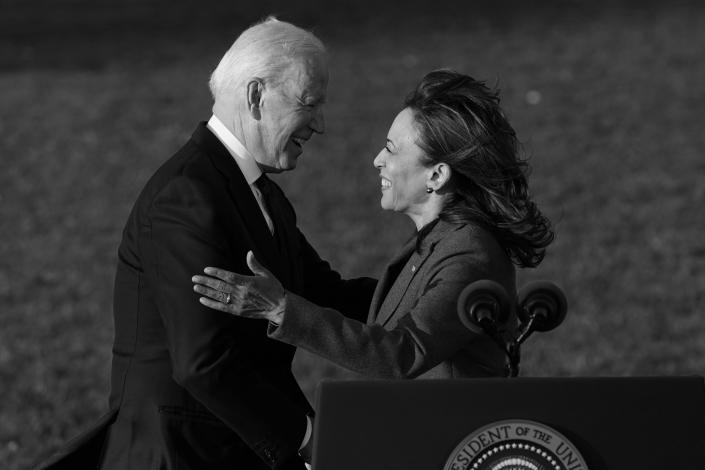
pixel 193 388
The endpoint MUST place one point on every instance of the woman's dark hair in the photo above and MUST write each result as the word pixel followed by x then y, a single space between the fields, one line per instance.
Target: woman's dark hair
pixel 460 123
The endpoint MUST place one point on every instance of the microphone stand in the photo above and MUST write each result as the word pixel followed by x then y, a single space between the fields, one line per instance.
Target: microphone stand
pixel 509 346
pixel 512 345
pixel 533 316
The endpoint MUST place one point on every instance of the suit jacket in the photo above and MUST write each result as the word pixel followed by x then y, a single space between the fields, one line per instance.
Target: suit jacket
pixel 413 328
pixel 194 388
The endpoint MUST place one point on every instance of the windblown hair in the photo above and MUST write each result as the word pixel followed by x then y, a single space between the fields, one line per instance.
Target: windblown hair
pixel 460 123
pixel 264 50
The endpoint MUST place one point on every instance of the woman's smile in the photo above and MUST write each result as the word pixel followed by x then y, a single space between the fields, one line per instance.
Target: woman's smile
pixel 402 171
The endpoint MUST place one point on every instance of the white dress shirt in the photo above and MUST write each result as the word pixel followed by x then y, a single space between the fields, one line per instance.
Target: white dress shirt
pixel 245 161
pixel 251 171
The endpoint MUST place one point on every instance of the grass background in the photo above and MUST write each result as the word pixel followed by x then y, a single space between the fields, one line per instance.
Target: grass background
pixel 94 96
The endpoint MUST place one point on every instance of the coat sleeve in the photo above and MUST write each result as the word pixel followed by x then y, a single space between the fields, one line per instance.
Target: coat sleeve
pixel 426 335
pixel 211 353
pixel 325 287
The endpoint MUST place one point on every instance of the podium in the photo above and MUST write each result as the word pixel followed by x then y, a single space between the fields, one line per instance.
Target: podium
pixel 614 423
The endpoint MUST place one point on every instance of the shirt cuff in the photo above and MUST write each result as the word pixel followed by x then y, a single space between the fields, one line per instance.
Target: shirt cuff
pixel 307 436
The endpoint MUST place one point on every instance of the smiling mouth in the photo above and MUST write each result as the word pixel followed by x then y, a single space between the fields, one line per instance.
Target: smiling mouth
pixel 385 183
pixel 298 141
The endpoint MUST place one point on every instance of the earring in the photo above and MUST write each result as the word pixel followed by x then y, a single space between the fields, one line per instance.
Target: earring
pixel 429 190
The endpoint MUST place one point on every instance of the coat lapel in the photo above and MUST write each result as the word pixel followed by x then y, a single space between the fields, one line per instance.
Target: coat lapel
pixel 390 275
pixel 261 240
pixel 399 287
pixel 409 269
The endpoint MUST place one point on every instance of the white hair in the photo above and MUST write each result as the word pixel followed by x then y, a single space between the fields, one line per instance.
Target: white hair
pixel 264 50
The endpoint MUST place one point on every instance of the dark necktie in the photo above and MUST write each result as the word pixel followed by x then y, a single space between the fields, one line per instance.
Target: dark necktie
pixel 275 205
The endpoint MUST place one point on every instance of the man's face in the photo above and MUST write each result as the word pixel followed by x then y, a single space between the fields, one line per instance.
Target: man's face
pixel 291 113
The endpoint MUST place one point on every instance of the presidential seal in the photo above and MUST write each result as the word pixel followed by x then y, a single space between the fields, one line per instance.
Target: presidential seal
pixel 515 445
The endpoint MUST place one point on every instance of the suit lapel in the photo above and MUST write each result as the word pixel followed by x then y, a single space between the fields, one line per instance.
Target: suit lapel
pixel 388 278
pixel 399 287
pixel 261 240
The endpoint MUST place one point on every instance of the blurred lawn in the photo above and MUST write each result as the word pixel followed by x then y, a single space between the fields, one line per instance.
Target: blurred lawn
pixel 609 102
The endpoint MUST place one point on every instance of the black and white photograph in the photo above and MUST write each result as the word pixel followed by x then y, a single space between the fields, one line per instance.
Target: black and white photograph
pixel 448 235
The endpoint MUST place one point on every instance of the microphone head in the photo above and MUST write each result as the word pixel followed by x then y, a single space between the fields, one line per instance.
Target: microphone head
pixel 545 301
pixel 483 303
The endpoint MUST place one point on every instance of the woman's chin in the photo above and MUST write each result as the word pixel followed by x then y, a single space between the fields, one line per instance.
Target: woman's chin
pixel 389 207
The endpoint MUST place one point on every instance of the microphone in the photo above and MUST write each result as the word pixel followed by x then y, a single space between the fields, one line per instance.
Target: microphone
pixel 483 306
pixel 542 307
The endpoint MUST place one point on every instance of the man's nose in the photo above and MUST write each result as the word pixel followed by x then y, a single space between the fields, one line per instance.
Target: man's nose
pixel 318 123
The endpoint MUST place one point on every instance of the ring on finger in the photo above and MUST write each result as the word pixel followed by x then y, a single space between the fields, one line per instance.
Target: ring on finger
pixel 227 298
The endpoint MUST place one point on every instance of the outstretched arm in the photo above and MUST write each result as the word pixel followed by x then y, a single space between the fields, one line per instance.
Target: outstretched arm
pixel 325 287
pixel 426 335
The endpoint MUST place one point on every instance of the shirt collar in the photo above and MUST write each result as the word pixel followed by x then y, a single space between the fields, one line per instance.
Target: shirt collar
pixel 244 159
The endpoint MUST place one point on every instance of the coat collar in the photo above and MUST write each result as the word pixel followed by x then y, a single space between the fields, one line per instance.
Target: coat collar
pixel 423 242
pixel 243 158
pixel 262 242
pixel 390 274
pixel 393 285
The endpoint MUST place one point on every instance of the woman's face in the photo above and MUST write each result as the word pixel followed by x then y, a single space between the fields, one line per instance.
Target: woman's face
pixel 401 168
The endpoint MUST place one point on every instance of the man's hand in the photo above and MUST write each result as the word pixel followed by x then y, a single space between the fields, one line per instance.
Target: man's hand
pixel 260 296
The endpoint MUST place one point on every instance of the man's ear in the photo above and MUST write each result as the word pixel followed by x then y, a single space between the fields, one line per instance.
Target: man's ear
pixel 255 87
pixel 439 177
